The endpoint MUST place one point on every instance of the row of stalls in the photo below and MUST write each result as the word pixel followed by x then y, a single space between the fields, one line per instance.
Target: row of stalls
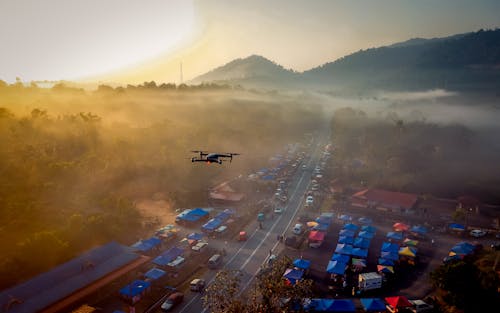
pixel 350 305
pixel 169 261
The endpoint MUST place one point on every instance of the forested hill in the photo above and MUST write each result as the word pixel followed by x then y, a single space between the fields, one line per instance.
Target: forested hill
pixel 460 62
pixel 251 71
pixel 463 62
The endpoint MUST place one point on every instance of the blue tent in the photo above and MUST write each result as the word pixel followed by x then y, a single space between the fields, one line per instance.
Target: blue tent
pixel 365 234
pixel 341 305
pixel 361 243
pixel 135 288
pixel 456 226
pixel 318 305
pixel 390 247
pixel 324 220
pixel 146 244
pixel 387 262
pixel 346 239
pixel 168 256
pixel 345 218
pixel 360 252
pixel 373 304
pixel 268 177
pixel 192 215
pixel 389 255
pixel 336 267
pixel 346 232
pixel 224 215
pixel 343 249
pixel 466 246
pixel 211 225
pixel 154 273
pixel 321 227
pixel 351 226
pixel 365 220
pixel 343 258
pixel 302 264
pixel 195 236
pixel 293 275
pixel 418 229
pixel 395 235
pixel 369 228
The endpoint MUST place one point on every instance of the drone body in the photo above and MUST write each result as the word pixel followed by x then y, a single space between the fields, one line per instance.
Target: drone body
pixel 212 157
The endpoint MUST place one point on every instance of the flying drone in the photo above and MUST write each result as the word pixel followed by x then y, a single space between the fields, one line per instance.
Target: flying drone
pixel 212 157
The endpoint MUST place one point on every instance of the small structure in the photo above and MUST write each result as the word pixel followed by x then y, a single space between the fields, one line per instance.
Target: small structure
pixel 373 304
pixel 384 200
pixel 398 302
pixel 316 238
pixel 133 292
pixel 293 275
pixel 154 274
pixel 369 281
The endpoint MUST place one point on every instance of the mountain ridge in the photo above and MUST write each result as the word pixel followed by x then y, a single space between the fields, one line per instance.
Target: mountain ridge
pixel 461 61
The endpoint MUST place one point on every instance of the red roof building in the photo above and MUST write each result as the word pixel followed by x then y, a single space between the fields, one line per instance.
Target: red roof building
pixel 384 200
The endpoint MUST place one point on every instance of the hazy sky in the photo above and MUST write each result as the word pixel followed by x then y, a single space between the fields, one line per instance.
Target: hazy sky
pixel 135 41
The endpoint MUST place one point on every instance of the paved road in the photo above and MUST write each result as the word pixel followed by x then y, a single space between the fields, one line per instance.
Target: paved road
pixel 250 255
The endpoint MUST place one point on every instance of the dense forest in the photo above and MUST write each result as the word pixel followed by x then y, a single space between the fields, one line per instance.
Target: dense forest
pixel 74 162
pixel 407 152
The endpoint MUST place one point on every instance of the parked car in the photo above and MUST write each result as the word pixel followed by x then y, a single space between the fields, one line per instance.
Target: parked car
pixel 298 229
pixel 172 301
pixel 214 261
pixel 477 233
pixel 309 200
pixel 197 284
pixel 221 230
pixel 420 306
pixel 199 246
pixel 278 210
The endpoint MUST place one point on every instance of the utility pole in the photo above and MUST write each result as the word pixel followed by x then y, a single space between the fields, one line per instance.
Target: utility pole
pixel 182 79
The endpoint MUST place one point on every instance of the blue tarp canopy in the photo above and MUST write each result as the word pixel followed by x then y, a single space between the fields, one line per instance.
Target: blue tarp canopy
pixel 389 255
pixel 373 304
pixel 395 235
pixel 212 224
pixel 390 247
pixel 365 220
pixel 324 220
pixel 365 234
pixel 343 249
pixel 456 226
pixel 341 305
pixel 293 275
pixel 168 256
pixel 343 258
pixel 346 239
pixel 268 177
pixel 351 226
pixel 135 288
pixel 192 215
pixel 321 227
pixel 465 246
pixel 361 243
pixel 224 215
pixel 318 305
pixel 369 228
pixel 452 258
pixel 418 229
pixel 386 262
pixel 345 218
pixel 302 264
pixel 146 244
pixel 359 252
pixel 346 232
pixel 154 273
pixel 336 267
pixel 195 236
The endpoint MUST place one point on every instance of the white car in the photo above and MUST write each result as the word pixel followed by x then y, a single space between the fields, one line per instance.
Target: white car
pixel 304 167
pixel 199 246
pixel 278 210
pixel 477 233
pixel 420 306
pixel 309 200
pixel 297 229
